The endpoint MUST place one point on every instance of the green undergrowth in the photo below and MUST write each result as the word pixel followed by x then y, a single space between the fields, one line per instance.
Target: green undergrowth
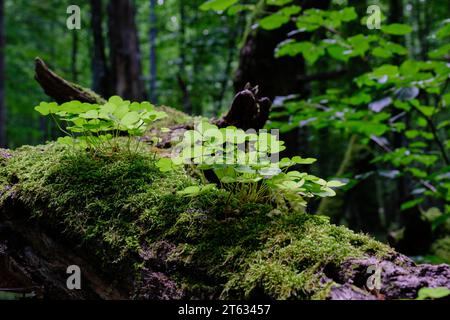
pixel 119 205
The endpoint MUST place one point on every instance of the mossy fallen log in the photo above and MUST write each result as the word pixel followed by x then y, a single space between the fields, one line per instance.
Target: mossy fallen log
pixel 119 218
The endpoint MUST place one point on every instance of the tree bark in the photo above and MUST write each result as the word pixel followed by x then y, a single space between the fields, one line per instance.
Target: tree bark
pixel 100 72
pixel 125 53
pixel 248 110
pixel 234 36
pixel 274 76
pixel 60 89
pixel 33 264
pixel 258 65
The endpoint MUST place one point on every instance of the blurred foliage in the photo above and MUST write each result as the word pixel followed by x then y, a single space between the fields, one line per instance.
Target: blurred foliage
pixel 38 28
pixel 393 95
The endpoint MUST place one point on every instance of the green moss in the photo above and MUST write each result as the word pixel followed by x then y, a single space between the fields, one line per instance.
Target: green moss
pixel 91 94
pixel 295 252
pixel 119 204
pixel 174 117
pixel 101 200
pixel 4 157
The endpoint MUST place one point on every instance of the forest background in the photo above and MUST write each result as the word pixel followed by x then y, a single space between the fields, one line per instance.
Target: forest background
pixel 371 104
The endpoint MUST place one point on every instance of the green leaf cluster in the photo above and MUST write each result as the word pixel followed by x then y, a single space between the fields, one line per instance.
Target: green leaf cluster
pixel 93 125
pixel 244 165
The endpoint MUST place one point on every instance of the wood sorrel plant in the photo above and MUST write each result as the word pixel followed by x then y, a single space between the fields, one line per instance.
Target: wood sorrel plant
pixel 95 126
pixel 246 164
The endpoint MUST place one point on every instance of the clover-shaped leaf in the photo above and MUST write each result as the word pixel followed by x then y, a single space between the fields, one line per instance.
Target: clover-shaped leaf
pixel 130 119
pixel 45 108
pixel 116 100
pixel 165 164
pixel 91 114
pixel 300 160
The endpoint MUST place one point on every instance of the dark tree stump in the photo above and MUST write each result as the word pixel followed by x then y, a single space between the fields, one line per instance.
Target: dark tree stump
pixel 247 111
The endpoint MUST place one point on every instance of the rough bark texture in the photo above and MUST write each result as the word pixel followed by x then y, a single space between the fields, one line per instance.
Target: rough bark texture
pixel 275 76
pixel 400 278
pixel 248 110
pixel 257 63
pixel 33 262
pixel 125 54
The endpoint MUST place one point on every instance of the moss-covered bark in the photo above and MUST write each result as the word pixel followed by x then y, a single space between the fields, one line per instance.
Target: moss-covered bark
pixel 120 207
pixel 121 213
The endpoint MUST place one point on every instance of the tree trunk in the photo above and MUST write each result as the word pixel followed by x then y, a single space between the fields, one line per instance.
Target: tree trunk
pixel 152 39
pixel 100 73
pixel 73 64
pixel 125 54
pixel 274 76
pixel 182 76
pixel 3 141
pixel 234 35
pixel 258 65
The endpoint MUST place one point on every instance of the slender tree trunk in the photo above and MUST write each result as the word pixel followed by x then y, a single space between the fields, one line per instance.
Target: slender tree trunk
pixel 73 63
pixel 100 73
pixel 236 31
pixel 182 76
pixel 274 76
pixel 152 39
pixel 125 53
pixel 396 16
pixel 258 65
pixel 197 67
pixel 3 141
pixel 420 10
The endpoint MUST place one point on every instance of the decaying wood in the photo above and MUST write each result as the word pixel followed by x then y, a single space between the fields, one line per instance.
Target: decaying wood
pixel 248 110
pixel 60 89
pixel 399 278
pixel 33 262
